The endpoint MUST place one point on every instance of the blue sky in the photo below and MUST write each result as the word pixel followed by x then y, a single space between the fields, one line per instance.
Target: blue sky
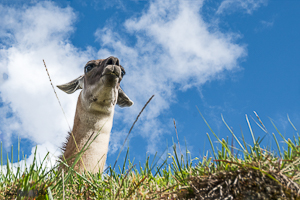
pixel 229 57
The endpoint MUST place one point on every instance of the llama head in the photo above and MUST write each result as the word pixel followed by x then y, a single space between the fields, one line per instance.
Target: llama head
pixel 100 85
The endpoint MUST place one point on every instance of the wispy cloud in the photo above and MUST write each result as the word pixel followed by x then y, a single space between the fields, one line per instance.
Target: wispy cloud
pixel 247 5
pixel 263 25
pixel 105 4
pixel 267 24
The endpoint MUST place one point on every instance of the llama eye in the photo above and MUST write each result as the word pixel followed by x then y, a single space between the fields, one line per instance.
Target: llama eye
pixel 88 68
pixel 122 73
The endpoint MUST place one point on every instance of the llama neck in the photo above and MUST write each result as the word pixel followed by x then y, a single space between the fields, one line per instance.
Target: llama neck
pixel 87 125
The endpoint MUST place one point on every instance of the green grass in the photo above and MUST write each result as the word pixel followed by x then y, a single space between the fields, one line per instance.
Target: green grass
pixel 253 173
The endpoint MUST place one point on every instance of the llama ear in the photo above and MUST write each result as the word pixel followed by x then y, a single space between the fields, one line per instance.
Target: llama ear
pixel 72 86
pixel 123 99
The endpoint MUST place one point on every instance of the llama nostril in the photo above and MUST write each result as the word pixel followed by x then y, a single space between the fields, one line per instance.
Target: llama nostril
pixel 112 61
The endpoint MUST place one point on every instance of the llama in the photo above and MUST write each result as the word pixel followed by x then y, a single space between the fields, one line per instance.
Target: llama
pixel 100 93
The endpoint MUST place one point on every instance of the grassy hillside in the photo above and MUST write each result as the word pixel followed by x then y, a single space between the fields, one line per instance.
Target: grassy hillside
pixel 252 173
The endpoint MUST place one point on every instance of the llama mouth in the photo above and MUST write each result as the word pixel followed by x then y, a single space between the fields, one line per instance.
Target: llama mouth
pixel 112 73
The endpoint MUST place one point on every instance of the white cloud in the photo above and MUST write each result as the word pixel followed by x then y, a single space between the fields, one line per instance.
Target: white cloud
pixel 174 49
pixel 247 5
pixel 29 35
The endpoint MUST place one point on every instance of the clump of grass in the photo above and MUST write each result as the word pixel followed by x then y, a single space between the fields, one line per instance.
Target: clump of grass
pixel 32 181
pixel 253 173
